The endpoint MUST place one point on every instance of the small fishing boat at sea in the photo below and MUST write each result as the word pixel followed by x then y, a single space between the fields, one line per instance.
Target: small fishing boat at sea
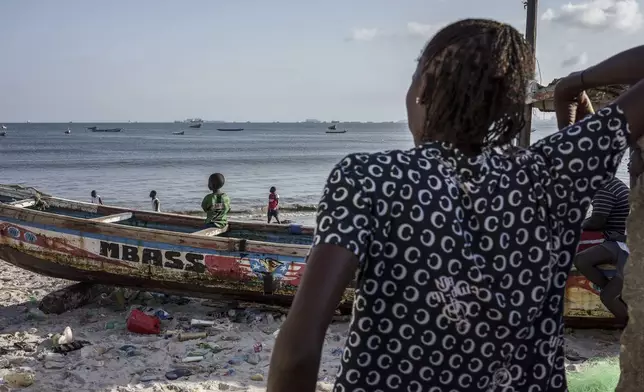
pixel 179 133
pixel 332 127
pixel 230 129
pixel 3 127
pixel 194 122
pixel 3 133
pixel 342 131
pixel 177 254
pixel 68 131
pixel 96 129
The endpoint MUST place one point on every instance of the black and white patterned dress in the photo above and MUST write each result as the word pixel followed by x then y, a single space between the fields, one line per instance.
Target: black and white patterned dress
pixel 463 261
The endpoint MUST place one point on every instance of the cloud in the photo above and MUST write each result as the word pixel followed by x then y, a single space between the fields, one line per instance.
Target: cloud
pixel 412 30
pixel 421 30
pixel 363 34
pixel 598 15
pixel 575 61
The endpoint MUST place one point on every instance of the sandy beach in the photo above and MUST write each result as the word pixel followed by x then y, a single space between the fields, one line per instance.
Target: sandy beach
pixel 236 351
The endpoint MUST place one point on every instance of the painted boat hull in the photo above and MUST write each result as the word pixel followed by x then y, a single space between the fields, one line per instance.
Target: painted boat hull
pixel 195 125
pixel 250 262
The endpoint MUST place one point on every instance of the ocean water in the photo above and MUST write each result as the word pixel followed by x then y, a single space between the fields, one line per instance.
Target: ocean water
pixel 123 167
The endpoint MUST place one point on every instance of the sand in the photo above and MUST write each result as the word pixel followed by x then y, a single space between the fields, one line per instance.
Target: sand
pixel 118 360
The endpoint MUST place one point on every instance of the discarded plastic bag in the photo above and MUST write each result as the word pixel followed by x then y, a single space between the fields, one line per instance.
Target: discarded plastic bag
pixel 139 322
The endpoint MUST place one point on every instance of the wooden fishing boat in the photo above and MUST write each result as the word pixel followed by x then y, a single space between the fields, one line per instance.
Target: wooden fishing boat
pixel 96 129
pixel 177 254
pixel 156 251
pixel 230 129
pixel 179 133
pixel 342 131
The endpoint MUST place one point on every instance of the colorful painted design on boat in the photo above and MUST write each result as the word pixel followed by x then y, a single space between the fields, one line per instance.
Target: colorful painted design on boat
pixel 122 252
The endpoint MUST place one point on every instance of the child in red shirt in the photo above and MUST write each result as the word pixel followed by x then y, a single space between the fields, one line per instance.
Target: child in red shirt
pixel 273 205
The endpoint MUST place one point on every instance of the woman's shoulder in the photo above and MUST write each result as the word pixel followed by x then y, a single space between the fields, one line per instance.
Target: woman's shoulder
pixel 377 158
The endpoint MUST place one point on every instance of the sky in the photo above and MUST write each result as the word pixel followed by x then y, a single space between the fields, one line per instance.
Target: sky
pixel 252 60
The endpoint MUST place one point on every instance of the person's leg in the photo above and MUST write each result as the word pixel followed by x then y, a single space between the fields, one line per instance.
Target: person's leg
pixel 269 215
pixel 588 260
pixel 277 216
pixel 611 297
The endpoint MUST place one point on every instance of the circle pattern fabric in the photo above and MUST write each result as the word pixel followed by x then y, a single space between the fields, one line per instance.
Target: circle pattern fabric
pixel 464 260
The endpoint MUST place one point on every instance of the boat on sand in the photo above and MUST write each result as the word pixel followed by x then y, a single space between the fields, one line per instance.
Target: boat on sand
pixel 178 254
pixel 157 251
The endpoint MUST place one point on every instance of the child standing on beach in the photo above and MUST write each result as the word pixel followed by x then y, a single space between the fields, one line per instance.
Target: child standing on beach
pixel 273 205
pixel 156 203
pixel 96 199
pixel 216 205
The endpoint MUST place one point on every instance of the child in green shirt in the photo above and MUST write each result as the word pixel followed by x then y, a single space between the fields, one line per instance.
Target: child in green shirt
pixel 216 205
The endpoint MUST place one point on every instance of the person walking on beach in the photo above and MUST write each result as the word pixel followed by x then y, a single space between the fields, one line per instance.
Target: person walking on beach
pixel 462 245
pixel 96 199
pixel 273 205
pixel 156 203
pixel 216 205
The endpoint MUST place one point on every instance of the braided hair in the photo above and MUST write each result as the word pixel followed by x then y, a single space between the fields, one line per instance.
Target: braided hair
pixel 475 74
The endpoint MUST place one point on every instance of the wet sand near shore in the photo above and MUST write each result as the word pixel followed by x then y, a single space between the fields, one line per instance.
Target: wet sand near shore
pixel 236 351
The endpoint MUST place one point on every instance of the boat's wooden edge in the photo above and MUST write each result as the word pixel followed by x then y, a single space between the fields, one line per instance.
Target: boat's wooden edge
pixel 113 218
pixel 229 244
pixel 155 217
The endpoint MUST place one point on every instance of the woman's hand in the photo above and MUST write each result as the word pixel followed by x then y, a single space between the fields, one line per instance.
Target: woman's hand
pixel 570 87
pixel 571 102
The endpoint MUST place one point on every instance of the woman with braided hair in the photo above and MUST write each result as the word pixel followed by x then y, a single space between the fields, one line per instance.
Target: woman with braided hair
pixel 460 247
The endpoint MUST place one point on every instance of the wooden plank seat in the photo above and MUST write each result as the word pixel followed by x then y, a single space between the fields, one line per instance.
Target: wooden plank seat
pixel 23 203
pixel 113 218
pixel 211 231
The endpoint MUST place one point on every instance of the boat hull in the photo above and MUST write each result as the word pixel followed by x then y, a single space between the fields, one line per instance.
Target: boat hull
pixel 230 129
pixel 195 126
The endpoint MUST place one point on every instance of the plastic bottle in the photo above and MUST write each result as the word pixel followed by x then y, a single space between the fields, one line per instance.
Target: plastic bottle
pixel 114 325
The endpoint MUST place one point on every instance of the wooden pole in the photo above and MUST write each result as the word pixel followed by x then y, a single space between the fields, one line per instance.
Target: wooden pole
pixel 531 37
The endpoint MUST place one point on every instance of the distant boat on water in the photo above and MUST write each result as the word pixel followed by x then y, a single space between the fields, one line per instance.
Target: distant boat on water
pixel 343 131
pixel 335 122
pixel 230 129
pixel 4 127
pixel 96 129
pixel 179 133
pixel 68 131
pixel 3 133
pixel 332 127
pixel 194 122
